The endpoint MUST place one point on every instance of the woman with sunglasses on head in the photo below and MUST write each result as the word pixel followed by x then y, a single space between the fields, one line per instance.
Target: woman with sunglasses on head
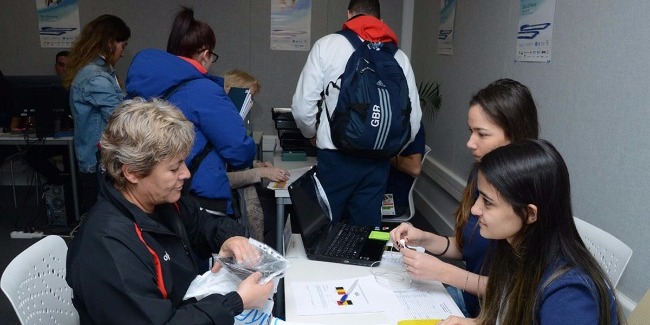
pixel 181 76
pixel 501 113
pixel 541 272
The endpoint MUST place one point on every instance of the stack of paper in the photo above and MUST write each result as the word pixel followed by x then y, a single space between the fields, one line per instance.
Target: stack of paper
pixel 242 99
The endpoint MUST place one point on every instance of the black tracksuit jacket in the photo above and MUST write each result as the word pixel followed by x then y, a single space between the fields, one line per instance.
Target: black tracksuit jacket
pixel 112 269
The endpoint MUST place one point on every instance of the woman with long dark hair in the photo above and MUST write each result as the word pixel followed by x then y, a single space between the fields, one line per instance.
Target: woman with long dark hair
pixel 541 272
pixel 501 113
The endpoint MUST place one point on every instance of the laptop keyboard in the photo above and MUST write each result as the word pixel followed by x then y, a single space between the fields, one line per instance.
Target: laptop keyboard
pixel 348 241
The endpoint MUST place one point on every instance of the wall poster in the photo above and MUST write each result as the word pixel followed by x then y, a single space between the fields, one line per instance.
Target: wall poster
pixel 58 22
pixel 535 35
pixel 446 30
pixel 290 25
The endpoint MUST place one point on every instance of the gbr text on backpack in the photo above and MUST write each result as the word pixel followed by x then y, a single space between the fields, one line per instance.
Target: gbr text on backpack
pixel 372 114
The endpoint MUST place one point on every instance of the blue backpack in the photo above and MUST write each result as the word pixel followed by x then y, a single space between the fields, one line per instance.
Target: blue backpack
pixel 372 115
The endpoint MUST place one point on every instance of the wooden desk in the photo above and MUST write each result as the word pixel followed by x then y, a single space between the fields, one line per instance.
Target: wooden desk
pixel 7 139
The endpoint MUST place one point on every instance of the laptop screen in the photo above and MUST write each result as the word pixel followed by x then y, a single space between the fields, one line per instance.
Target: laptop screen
pixel 307 209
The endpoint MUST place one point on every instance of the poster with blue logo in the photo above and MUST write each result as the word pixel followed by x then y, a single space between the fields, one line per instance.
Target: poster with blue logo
pixel 446 30
pixel 535 35
pixel 58 22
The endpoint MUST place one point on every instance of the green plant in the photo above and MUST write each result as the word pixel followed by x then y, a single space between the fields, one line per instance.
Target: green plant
pixel 430 99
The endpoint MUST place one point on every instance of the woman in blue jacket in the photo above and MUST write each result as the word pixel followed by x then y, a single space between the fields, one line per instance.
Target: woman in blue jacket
pixel 181 76
pixel 94 92
pixel 541 272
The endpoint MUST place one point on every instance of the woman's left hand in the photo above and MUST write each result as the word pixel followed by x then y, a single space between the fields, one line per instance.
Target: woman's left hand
pixel 422 266
pixel 239 247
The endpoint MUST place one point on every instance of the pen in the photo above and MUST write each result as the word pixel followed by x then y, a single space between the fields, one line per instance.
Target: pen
pixel 349 291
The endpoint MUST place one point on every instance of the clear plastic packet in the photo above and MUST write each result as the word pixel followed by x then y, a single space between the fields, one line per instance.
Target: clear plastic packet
pixel 271 263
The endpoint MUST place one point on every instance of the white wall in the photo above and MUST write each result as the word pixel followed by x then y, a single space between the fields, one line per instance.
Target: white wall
pixel 592 100
pixel 242 28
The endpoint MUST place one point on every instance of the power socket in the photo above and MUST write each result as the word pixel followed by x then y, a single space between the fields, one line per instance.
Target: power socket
pixel 24 235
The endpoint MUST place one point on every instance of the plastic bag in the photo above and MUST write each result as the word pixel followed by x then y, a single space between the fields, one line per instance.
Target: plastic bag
pixel 271 264
pixel 224 282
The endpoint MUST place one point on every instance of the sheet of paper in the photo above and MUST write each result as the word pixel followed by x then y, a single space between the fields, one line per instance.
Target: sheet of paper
pixel 424 301
pixel 295 174
pixel 364 295
pixel 247 105
pixel 418 299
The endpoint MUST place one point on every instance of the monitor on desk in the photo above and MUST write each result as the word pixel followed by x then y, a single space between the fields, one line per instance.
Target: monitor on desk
pixel 37 103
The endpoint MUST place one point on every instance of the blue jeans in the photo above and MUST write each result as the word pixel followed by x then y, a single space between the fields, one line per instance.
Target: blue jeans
pixel 457 295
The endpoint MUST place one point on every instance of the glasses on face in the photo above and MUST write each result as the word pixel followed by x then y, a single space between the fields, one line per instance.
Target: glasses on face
pixel 215 57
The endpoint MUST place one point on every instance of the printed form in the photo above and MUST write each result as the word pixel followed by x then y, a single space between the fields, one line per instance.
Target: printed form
pixel 347 296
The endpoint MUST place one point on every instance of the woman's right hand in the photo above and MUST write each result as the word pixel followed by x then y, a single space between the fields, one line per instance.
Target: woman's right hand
pixel 411 235
pixel 253 294
pixel 274 174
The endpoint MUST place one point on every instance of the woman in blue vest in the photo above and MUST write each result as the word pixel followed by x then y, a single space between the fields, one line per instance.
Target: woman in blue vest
pixel 501 113
pixel 541 272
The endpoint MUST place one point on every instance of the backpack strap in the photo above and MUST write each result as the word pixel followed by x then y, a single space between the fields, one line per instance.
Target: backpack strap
pixel 356 42
pixel 352 37
pixel 194 165
pixel 196 161
pixel 174 89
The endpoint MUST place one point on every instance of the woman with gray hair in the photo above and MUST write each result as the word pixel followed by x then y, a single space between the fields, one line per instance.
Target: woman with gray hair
pixel 137 249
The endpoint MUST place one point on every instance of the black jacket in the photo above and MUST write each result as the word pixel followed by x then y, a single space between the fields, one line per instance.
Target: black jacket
pixel 113 274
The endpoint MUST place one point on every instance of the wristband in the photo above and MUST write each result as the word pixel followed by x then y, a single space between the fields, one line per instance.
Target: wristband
pixel 467 278
pixel 446 248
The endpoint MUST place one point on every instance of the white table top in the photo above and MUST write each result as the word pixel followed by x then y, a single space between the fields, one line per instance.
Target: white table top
pixel 303 269
pixel 436 303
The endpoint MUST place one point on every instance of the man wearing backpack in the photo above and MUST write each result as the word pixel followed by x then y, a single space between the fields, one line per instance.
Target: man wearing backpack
pixel 354 179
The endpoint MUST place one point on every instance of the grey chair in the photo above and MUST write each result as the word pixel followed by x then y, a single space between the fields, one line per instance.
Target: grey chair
pixel 410 213
pixel 611 253
pixel 35 284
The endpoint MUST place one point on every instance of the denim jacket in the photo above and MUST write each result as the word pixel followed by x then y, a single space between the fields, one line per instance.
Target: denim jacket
pixel 94 94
